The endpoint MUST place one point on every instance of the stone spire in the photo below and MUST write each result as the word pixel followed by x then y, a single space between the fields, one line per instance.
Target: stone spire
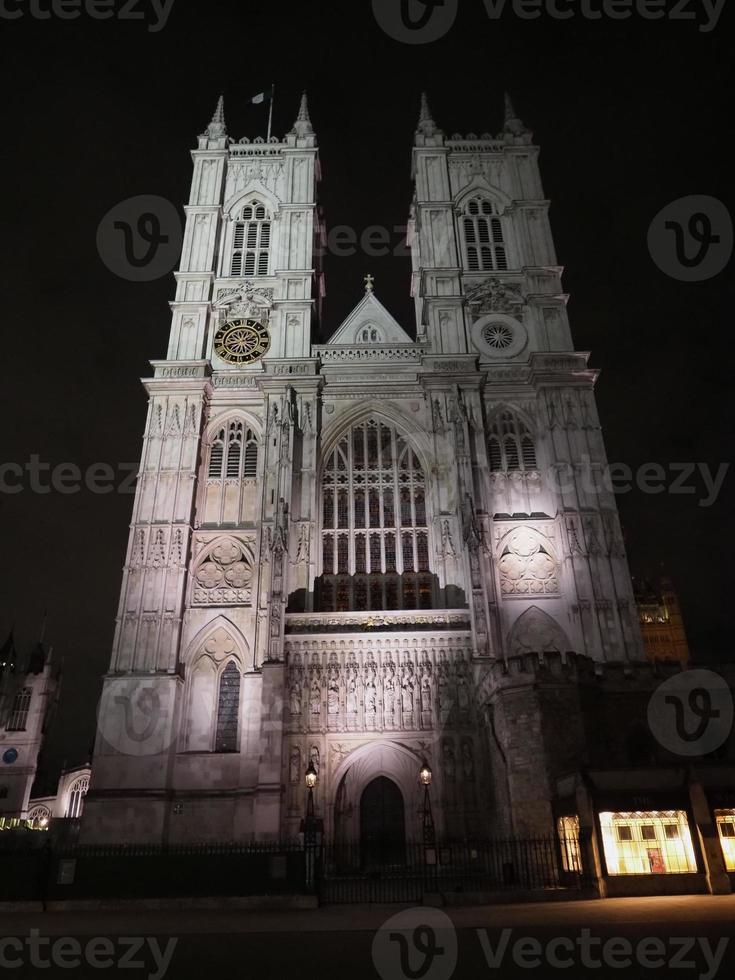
pixel 426 125
pixel 217 128
pixel 302 126
pixel 512 124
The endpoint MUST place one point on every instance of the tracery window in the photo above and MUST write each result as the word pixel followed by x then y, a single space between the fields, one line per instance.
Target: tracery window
pixel 482 233
pixel 251 241
pixel 369 334
pixel 233 454
pixel 510 444
pixel 19 711
pixel 227 709
pixel 375 544
pixel 76 796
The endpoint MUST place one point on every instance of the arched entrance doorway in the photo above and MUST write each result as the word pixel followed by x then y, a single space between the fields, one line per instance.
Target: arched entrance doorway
pixel 382 823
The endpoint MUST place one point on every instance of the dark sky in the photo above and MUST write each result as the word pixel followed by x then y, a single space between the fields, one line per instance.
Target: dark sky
pixel 629 116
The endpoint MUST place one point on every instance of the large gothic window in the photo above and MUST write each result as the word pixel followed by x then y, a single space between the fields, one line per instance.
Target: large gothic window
pixel 375 543
pixel 251 241
pixel 19 711
pixel 510 445
pixel 227 710
pixel 482 233
pixel 234 453
pixel 76 796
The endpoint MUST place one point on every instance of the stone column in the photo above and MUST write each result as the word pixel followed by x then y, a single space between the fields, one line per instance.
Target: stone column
pixel 718 880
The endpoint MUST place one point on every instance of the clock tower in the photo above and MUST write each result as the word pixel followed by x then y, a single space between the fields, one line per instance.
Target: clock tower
pixel 225 484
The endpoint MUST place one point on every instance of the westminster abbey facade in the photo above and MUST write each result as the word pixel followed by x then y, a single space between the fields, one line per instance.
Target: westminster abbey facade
pixel 358 555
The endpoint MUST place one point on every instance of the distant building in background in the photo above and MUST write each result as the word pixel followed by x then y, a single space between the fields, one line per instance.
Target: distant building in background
pixel 662 626
pixel 68 801
pixel 29 689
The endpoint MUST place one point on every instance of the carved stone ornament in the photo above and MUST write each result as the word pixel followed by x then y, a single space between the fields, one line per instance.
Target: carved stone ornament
pixel 494 296
pixel 225 576
pixel 245 301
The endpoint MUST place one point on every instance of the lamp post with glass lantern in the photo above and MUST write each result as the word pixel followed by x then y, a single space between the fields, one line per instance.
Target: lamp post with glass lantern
pixel 425 775
pixel 310 825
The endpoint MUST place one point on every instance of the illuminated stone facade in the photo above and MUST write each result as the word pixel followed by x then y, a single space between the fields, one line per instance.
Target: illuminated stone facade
pixel 335 547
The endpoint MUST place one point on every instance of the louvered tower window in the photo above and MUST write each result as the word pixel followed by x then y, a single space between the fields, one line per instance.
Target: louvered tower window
pixel 19 711
pixel 510 444
pixel 375 540
pixel 251 242
pixel 233 453
pixel 482 232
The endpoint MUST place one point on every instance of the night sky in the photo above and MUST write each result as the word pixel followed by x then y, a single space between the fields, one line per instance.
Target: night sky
pixel 630 116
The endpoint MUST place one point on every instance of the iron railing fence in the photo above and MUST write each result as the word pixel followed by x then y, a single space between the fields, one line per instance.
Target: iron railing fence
pixel 34 866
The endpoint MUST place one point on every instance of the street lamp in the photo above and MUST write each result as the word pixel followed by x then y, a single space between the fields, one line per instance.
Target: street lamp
pixel 425 775
pixel 310 778
pixel 310 826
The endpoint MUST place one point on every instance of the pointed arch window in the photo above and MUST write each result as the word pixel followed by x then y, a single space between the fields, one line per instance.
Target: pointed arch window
pixel 375 550
pixel 233 453
pixel 510 445
pixel 76 797
pixel 228 705
pixel 19 711
pixel 251 241
pixel 482 235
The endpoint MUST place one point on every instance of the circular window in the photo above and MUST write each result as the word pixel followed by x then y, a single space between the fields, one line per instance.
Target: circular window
pixel 498 335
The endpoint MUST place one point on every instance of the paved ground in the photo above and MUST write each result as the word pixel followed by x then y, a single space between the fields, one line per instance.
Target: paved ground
pixel 692 936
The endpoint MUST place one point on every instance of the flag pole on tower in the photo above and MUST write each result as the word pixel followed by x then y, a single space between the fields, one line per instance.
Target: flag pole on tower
pixel 270 110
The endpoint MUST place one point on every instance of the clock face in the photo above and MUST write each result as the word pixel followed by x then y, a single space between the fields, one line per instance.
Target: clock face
pixel 241 341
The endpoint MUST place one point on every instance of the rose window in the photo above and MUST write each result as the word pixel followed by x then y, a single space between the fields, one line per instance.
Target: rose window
pixel 499 336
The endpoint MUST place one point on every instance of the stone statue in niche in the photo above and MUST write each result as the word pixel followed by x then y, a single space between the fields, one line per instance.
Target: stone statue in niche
pixel 314 757
pixel 352 695
pixel 315 698
pixel 333 697
pixel 389 695
pixel 294 765
pixel 425 693
pixel 371 697
pixel 407 695
pixel 295 699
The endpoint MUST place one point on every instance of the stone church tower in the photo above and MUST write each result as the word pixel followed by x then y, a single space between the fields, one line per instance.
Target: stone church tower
pixel 337 549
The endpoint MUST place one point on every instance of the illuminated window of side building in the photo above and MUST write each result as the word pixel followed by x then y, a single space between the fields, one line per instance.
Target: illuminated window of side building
pixel 568 830
pixel 726 827
pixel 655 842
